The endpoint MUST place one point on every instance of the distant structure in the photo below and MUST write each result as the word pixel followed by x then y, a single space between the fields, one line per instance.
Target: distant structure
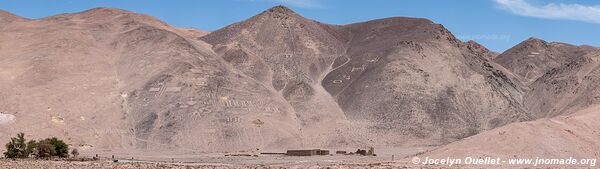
pixel 311 152
pixel 370 152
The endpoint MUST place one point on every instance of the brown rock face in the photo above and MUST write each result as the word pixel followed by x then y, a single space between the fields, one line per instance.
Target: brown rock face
pixel 391 77
pixel 566 88
pixel 561 84
pixel 6 17
pixel 533 57
pixel 560 76
pixel 478 48
pixel 112 79
pixel 289 55
pixel 411 77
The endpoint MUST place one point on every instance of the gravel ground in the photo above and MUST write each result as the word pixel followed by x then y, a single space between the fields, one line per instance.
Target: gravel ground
pixel 42 164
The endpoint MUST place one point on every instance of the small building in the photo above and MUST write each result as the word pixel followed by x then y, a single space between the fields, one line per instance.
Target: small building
pixel 322 152
pixel 311 152
pixel 370 152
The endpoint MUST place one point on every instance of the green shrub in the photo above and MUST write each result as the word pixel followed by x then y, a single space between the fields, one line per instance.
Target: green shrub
pixel 31 147
pixel 17 148
pixel 45 149
pixel 62 149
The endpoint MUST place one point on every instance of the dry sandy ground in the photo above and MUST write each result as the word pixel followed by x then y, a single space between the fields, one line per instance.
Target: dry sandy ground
pixel 219 160
pixel 403 157
pixel 384 155
pixel 228 162
pixel 39 164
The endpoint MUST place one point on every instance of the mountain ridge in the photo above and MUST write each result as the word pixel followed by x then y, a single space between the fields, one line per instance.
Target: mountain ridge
pixel 7 17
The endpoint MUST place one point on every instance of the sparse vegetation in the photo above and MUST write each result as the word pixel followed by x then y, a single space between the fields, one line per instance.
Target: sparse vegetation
pixel 50 147
pixel 17 148
pixel 45 149
pixel 61 149
pixel 32 147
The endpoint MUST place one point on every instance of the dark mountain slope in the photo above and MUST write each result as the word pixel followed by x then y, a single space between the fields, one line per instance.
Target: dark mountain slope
pixel 392 77
pixel 412 77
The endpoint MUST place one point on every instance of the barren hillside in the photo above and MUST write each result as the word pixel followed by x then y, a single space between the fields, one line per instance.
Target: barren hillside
pixel 573 135
pixel 534 57
pixel 289 55
pixel 112 79
pixel 109 79
pixel 563 91
pixel 6 18
pixel 559 77
pixel 411 78
pixel 391 78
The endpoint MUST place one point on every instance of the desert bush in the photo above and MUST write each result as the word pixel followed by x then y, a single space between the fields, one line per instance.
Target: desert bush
pixel 32 147
pixel 57 146
pixel 17 148
pixel 45 149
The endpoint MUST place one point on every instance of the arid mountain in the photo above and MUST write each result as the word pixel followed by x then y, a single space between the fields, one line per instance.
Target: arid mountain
pixel 109 79
pixel 391 78
pixel 534 57
pixel 113 79
pixel 411 78
pixel 562 90
pixel 478 48
pixel 566 88
pixel 193 32
pixel 289 55
pixel 560 77
pixel 6 17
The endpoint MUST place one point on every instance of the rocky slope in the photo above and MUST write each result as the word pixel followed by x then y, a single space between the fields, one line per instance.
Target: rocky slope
pixel 560 77
pixel 7 17
pixel 112 79
pixel 534 57
pixel 414 78
pixel 566 88
pixel 289 55
pixel 391 78
pixel 562 90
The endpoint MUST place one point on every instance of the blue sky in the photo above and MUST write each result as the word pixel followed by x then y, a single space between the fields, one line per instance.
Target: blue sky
pixel 497 24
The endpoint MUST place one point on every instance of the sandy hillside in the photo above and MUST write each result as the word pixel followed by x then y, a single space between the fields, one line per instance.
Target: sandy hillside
pixel 575 135
pixel 112 79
